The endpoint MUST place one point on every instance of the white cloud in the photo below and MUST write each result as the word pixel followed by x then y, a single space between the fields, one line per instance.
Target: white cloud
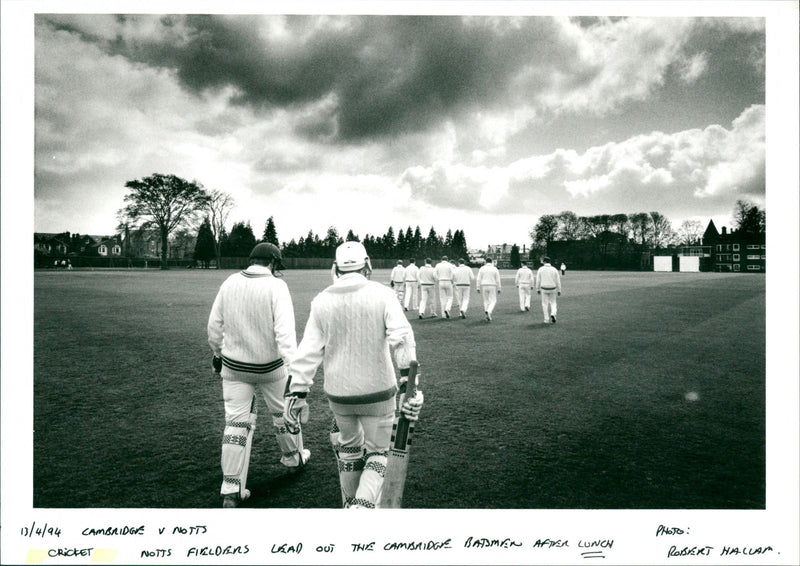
pixel 692 68
pixel 673 173
pixel 616 61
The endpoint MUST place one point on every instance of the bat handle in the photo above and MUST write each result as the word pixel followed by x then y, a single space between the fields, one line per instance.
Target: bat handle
pixel 411 384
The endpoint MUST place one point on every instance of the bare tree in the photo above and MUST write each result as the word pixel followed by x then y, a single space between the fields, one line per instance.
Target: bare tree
pixel 690 232
pixel 165 202
pixel 749 218
pixel 621 224
pixel 545 230
pixel 663 234
pixel 570 226
pixel 219 208
pixel 640 226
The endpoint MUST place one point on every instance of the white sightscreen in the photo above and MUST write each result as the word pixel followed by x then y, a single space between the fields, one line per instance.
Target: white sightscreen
pixel 689 263
pixel 662 263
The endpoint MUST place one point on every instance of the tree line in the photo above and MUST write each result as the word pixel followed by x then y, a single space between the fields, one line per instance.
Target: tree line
pixel 169 206
pixel 647 229
pixel 408 243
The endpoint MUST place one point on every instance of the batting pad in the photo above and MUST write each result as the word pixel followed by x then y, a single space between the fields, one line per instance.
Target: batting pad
pixel 234 447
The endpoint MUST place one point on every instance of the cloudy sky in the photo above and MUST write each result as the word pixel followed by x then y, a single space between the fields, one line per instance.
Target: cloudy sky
pixel 365 122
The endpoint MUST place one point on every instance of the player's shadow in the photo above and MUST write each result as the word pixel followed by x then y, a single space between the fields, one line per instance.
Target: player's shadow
pixel 275 491
pixel 539 325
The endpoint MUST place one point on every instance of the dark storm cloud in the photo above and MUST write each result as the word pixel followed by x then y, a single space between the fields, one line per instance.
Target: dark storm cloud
pixel 385 74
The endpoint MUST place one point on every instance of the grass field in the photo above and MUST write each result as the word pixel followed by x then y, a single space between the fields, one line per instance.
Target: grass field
pixel 590 413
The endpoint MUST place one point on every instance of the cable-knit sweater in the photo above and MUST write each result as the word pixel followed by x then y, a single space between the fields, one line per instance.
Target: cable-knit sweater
pixel 252 327
pixel 353 327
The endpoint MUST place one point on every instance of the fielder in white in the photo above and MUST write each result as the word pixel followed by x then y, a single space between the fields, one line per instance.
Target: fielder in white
pixel 548 285
pixel 354 327
pixel 524 281
pixel 411 276
pixel 463 278
pixel 488 285
pixel 398 280
pixel 427 288
pixel 444 275
pixel 252 337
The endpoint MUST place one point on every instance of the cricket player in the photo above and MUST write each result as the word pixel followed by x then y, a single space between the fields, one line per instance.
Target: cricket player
pixel 488 285
pixel 524 281
pixel 563 268
pixel 398 279
pixel 411 276
pixel 548 285
pixel 463 278
pixel 252 337
pixel 444 275
pixel 427 288
pixel 354 328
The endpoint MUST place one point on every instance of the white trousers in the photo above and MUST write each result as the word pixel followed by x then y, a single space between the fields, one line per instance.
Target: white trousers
pixel 240 419
pixel 427 292
pixel 489 293
pixel 462 296
pixel 446 295
pixel 410 293
pixel 524 297
pixel 362 447
pixel 549 306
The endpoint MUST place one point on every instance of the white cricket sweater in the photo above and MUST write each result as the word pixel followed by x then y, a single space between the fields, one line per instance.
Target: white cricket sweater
pixel 444 271
pixel 463 275
pixel 548 278
pixel 398 274
pixel 524 277
pixel 412 273
pixel 427 275
pixel 351 330
pixel 488 275
pixel 252 327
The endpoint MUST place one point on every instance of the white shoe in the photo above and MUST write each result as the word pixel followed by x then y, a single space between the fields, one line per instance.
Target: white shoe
pixel 303 462
pixel 234 500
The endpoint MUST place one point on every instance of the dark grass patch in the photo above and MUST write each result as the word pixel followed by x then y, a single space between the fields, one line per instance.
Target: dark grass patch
pixel 588 413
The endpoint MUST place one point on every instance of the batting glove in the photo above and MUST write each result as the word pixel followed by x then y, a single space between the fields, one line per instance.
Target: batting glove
pixel 216 363
pixel 295 411
pixel 411 407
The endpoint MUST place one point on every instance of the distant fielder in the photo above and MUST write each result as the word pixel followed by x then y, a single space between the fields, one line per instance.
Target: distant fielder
pixel 548 285
pixel 488 285
pixel 444 275
pixel 524 281
pixel 398 280
pixel 252 336
pixel 463 278
pixel 427 288
pixel 411 276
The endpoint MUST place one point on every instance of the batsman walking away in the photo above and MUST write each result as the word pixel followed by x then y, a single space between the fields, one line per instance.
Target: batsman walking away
pixel 355 328
pixel 251 331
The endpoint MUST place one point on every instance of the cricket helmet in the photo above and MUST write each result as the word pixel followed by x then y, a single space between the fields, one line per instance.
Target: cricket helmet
pixel 351 256
pixel 266 251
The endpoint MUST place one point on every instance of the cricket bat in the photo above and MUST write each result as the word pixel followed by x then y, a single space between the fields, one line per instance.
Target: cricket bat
pixel 394 479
